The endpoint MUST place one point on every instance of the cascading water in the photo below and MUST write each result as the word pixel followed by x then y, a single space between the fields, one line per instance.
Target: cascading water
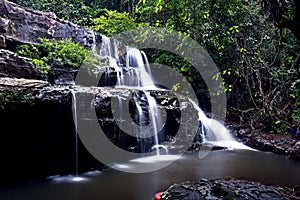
pixel 76 132
pixel 76 178
pixel 137 61
pixel 215 133
pixel 109 57
pixel 136 73
pixel 94 41
pixel 154 117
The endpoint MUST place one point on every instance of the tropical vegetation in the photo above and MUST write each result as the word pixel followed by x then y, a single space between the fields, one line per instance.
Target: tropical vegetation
pixel 255 45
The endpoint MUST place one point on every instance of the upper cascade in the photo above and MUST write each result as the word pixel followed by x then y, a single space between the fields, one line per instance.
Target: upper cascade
pixel 124 68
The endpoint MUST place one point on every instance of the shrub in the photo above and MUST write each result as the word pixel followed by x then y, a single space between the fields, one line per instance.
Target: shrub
pixel 112 22
pixel 59 53
pixel 9 99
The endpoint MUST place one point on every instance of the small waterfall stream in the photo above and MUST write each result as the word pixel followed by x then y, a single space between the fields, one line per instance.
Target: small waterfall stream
pixel 76 131
pixel 154 118
pixel 215 133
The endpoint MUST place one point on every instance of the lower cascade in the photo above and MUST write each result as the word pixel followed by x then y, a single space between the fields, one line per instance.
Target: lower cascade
pixel 215 133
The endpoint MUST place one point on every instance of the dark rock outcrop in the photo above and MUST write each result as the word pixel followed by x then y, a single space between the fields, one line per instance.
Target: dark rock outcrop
pixel 266 141
pixel 38 123
pixel 23 25
pixel 12 65
pixel 295 151
pixel 227 189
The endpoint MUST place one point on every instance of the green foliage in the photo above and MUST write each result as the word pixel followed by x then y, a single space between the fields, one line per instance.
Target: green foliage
pixel 79 11
pixel 41 65
pixel 295 95
pixel 257 56
pixel 266 66
pixel 112 22
pixel 281 127
pixel 296 113
pixel 12 98
pixel 76 11
pixel 255 45
pixel 59 53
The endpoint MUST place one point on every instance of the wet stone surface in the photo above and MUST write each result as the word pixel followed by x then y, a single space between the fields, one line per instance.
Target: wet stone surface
pixel 281 144
pixel 227 189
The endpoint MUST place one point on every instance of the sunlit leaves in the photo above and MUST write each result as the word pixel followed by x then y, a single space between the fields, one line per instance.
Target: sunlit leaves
pixel 243 50
pixel 159 5
pixel 176 87
pixel 112 22
pixel 205 15
pixel 142 1
pixel 234 29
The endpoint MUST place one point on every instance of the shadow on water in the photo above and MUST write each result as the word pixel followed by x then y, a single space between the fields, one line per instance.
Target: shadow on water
pixel 263 167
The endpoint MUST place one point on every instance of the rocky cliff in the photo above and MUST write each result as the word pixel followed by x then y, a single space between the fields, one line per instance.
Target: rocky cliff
pixel 23 25
pixel 14 66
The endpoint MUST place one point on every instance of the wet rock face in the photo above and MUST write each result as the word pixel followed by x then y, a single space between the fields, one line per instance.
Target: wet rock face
pixel 23 25
pixel 295 152
pixel 12 65
pixel 116 127
pixel 104 103
pixel 225 189
pixel 265 141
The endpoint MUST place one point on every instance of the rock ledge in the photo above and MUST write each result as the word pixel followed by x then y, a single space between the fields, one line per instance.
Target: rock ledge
pixel 228 189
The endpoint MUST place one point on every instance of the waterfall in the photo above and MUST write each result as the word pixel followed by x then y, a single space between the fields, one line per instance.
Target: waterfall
pixel 154 119
pixel 137 61
pixel 215 133
pixel 136 73
pixel 141 122
pixel 94 40
pixel 76 177
pixel 76 131
pixel 110 58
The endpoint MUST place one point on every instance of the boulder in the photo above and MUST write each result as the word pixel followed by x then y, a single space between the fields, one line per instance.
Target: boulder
pixel 12 65
pixel 23 25
pixel 220 189
pixel 281 144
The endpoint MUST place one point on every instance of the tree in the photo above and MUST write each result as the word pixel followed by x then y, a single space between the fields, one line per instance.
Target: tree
pixel 255 45
pixel 112 22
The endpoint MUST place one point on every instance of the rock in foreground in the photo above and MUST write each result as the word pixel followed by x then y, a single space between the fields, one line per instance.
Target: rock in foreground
pixel 227 189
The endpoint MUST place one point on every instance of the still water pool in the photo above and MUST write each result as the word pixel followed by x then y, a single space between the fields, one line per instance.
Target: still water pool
pixel 112 184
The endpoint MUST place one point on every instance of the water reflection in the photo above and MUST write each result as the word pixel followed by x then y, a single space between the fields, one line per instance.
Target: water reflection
pixel 266 168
